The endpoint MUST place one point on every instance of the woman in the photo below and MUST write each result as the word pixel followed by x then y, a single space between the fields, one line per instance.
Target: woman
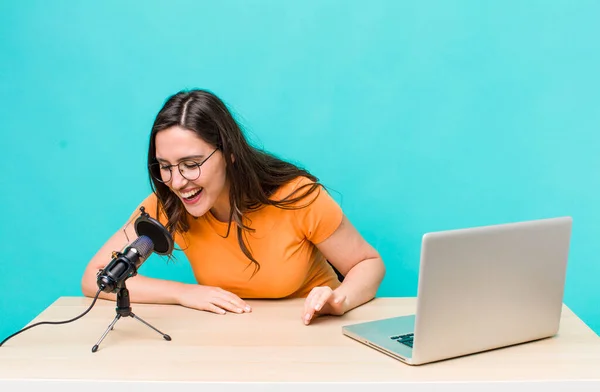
pixel 250 224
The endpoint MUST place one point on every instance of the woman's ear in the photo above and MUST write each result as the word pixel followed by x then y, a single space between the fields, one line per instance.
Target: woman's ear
pixel 232 158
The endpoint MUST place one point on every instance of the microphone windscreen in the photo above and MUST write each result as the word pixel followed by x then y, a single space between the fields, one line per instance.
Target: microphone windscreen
pixel 143 245
pixel 151 228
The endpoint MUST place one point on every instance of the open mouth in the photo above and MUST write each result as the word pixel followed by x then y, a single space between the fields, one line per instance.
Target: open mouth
pixel 192 196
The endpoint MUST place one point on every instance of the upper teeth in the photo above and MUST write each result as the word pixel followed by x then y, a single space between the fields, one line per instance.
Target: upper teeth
pixel 190 193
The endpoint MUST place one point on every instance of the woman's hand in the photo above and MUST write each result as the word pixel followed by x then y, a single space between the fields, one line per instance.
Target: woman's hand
pixel 212 299
pixel 323 300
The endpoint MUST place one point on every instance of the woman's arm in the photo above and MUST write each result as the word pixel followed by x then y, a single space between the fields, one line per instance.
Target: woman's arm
pixel 143 289
pixel 358 261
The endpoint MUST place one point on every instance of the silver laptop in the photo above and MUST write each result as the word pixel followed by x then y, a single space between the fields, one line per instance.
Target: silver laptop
pixel 479 289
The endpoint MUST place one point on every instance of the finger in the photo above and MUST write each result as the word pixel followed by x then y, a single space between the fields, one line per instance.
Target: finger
pixel 215 309
pixel 227 305
pixel 312 303
pixel 339 303
pixel 238 302
pixel 235 300
pixel 339 299
pixel 320 300
pixel 308 299
pixel 308 310
pixel 308 315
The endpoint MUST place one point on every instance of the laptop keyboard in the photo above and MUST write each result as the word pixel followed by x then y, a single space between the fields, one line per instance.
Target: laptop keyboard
pixel 406 339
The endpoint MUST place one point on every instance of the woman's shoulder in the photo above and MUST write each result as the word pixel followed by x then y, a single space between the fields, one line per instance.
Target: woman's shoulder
pixel 316 214
pixel 296 187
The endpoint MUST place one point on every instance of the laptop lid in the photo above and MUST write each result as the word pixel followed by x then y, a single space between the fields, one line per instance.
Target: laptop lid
pixel 488 287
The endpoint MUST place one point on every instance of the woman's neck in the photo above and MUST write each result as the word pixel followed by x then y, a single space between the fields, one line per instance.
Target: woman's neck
pixel 221 210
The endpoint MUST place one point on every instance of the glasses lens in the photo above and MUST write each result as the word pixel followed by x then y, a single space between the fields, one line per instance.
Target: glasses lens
pixel 160 172
pixel 190 170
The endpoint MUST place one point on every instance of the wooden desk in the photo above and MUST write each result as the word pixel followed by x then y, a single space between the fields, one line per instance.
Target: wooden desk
pixel 271 345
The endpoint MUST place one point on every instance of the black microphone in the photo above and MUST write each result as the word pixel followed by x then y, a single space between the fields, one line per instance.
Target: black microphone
pixel 153 237
pixel 124 265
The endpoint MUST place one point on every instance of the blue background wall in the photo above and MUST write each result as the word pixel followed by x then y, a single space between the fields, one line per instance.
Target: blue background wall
pixel 421 115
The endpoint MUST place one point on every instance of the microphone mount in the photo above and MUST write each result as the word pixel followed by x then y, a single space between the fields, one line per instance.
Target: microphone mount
pixel 123 309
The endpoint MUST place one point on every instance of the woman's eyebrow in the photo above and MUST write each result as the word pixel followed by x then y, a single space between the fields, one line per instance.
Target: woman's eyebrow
pixel 199 156
pixel 186 158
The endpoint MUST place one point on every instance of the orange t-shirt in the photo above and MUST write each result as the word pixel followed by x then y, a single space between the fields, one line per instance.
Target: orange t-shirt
pixel 283 243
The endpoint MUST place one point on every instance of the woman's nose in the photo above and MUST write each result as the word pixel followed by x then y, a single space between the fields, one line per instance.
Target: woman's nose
pixel 177 180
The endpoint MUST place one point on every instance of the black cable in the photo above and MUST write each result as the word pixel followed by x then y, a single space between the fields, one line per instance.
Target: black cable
pixel 55 322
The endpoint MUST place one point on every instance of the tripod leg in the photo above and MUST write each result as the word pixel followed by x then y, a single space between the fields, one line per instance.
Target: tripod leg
pixel 165 336
pixel 110 327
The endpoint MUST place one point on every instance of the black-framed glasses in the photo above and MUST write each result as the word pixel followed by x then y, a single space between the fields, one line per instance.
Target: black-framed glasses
pixel 189 169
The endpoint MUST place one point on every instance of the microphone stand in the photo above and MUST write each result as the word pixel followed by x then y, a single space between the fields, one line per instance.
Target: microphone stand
pixel 123 309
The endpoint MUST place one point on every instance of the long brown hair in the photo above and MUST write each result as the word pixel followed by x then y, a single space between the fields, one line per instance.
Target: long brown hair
pixel 254 177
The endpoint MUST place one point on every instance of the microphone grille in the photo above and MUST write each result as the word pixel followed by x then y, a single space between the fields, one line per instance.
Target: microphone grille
pixel 144 246
pixel 153 229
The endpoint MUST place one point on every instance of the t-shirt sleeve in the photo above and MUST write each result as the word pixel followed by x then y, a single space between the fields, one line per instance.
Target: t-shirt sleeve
pixel 319 216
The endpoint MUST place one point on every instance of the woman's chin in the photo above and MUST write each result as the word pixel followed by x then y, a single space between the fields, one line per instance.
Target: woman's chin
pixel 197 209
pixel 196 212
